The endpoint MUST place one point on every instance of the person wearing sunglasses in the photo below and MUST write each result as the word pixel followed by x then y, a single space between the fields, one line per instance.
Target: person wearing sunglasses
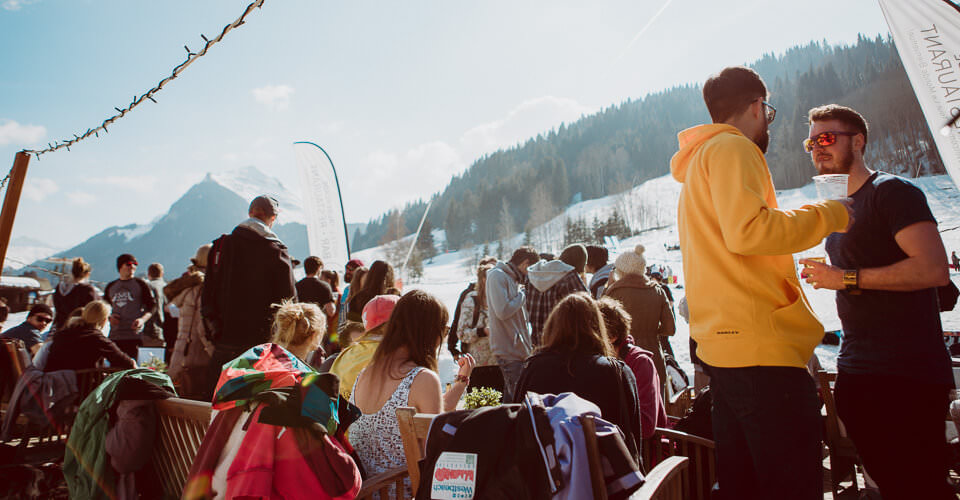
pixel 886 270
pixel 754 329
pixel 30 331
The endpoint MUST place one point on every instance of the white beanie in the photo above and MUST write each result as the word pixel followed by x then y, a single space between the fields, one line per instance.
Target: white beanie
pixel 632 262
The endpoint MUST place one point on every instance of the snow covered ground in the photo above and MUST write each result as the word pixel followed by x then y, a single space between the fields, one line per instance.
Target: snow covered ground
pixel 655 201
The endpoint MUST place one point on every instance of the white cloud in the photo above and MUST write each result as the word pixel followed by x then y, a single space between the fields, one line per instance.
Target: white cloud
pixel 275 97
pixel 530 118
pixel 419 172
pixel 39 188
pixel 12 132
pixel 81 198
pixel 16 4
pixel 137 183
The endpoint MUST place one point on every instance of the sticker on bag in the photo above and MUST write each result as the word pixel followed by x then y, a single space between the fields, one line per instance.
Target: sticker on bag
pixel 454 476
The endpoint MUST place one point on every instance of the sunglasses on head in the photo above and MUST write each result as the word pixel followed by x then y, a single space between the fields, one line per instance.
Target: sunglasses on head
pixel 824 139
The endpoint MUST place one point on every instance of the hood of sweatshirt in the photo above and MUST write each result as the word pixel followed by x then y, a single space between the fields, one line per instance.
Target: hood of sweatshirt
pixel 257 226
pixel 691 141
pixel 545 274
pixel 66 286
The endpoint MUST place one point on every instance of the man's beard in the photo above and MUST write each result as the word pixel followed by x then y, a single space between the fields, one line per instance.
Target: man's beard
pixel 763 141
pixel 841 164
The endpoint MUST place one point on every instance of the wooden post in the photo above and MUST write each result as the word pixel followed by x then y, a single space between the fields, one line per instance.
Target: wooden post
pixel 11 201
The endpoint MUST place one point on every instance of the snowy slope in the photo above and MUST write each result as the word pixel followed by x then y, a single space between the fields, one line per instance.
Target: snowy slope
pixel 249 182
pixel 24 251
pixel 653 204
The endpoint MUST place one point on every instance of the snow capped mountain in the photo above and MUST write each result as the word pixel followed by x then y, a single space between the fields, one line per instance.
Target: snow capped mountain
pixel 23 251
pixel 249 182
pixel 212 207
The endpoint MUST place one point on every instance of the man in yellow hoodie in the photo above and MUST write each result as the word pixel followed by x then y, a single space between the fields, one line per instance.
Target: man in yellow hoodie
pixel 753 325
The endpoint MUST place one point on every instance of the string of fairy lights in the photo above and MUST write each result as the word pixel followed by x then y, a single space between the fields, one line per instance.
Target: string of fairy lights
pixel 148 95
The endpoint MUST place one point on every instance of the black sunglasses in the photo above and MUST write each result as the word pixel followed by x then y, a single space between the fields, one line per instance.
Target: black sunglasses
pixel 824 139
pixel 44 319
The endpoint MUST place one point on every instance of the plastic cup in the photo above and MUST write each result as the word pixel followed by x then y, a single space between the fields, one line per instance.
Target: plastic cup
pixel 831 186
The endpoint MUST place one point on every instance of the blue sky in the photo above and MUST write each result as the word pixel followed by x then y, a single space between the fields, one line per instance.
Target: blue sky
pixel 403 95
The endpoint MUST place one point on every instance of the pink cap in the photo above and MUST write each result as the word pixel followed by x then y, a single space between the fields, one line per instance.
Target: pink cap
pixel 378 310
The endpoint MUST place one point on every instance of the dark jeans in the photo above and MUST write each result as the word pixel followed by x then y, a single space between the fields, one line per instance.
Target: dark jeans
pixel 221 356
pixel 897 425
pixel 767 428
pixel 511 375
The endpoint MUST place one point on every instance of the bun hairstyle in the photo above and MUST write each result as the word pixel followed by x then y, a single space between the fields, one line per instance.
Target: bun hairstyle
pixel 95 313
pixel 632 262
pixel 296 323
pixel 81 268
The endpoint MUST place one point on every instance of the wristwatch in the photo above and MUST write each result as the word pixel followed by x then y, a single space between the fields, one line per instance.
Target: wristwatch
pixel 851 279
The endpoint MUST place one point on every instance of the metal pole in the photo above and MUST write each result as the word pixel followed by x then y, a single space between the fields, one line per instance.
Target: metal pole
pixel 12 200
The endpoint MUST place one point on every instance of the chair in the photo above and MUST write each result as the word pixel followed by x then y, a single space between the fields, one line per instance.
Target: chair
pixel 181 425
pixel 413 431
pixel 383 483
pixel 664 482
pixel 700 473
pixel 843 454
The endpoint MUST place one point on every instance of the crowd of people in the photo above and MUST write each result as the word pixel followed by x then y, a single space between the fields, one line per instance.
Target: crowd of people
pixel 534 323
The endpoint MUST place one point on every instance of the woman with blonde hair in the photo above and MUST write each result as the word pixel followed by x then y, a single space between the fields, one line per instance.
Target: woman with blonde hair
pixel 577 356
pixel 73 292
pixel 276 431
pixel 299 327
pixel 403 372
pixel 473 331
pixel 83 345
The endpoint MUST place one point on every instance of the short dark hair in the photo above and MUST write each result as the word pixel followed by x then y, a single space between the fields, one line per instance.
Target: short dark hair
pixel 312 264
pixel 597 256
pixel 729 92
pixel 40 308
pixel 155 270
pixel 842 114
pixel 524 254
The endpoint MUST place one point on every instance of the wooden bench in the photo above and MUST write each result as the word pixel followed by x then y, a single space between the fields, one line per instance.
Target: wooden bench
pixel 30 435
pixel 181 425
pixel 701 473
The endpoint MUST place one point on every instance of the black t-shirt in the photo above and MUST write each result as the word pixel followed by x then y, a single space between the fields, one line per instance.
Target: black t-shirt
pixel 314 290
pixel 887 332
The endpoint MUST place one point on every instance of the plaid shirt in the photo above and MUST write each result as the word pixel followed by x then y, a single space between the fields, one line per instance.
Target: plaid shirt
pixel 539 304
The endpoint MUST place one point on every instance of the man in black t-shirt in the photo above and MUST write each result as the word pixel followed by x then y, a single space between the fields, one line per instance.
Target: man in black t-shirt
pixel 894 372
pixel 313 289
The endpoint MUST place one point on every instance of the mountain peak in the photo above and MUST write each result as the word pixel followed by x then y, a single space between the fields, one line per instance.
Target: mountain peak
pixel 249 182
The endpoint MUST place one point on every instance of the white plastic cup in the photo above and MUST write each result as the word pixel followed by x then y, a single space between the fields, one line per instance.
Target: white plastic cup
pixel 831 186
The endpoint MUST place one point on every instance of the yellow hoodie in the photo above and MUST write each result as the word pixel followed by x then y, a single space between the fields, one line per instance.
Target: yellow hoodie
pixel 746 304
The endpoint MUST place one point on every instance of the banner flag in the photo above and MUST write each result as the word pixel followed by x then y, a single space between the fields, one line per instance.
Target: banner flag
pixel 326 226
pixel 927 36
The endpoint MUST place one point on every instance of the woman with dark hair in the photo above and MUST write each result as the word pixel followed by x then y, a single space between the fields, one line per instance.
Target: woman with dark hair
pixel 577 356
pixel 375 282
pixel 73 292
pixel 617 320
pixel 403 372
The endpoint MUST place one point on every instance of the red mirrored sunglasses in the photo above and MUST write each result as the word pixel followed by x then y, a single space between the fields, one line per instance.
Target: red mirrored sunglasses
pixel 824 139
